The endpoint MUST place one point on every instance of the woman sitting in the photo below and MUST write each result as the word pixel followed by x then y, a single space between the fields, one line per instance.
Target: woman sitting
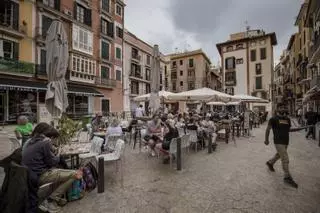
pixel 24 129
pixel 154 133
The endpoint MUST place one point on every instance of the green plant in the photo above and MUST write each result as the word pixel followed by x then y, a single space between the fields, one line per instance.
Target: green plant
pixel 68 129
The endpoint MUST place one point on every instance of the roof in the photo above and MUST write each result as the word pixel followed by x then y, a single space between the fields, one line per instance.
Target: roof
pixel 189 53
pixel 291 41
pixel 272 35
pixel 41 85
pixel 303 8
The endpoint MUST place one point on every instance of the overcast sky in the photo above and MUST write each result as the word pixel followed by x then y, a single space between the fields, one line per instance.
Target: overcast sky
pixel 193 24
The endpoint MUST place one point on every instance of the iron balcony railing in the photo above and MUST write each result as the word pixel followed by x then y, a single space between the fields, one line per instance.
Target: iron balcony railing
pixel 105 81
pixel 15 66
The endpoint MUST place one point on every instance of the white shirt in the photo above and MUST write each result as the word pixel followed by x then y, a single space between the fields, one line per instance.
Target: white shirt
pixel 139 112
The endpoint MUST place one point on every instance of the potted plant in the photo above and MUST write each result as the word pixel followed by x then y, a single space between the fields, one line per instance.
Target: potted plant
pixel 68 129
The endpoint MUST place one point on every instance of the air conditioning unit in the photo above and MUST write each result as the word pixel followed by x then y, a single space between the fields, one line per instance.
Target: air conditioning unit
pixel 67 12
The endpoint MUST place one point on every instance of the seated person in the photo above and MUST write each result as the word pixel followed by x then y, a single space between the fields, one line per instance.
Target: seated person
pixel 192 125
pixel 154 131
pixel 98 123
pixel 38 157
pixel 24 129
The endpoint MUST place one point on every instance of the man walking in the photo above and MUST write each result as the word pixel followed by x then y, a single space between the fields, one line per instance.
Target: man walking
pixel 311 118
pixel 281 126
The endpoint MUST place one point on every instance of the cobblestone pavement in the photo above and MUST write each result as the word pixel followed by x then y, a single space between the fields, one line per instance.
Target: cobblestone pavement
pixel 234 179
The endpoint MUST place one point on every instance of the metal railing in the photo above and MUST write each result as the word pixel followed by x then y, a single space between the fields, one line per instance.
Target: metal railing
pixel 136 56
pixel 105 81
pixel 15 66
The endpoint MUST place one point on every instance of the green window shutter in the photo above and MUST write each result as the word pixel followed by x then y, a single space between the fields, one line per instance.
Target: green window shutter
pixel 104 50
pixel 104 72
pixel 118 53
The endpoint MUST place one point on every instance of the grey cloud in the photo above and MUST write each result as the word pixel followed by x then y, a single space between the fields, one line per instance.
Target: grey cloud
pixel 211 21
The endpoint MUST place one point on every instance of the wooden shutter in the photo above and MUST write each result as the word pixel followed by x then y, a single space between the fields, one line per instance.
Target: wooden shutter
pixel 15 50
pixel 15 12
pixel 110 29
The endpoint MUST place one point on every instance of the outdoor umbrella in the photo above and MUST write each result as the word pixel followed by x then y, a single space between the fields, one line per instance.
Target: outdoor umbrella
pixel 232 103
pixel 249 99
pixel 57 62
pixel 146 97
pixel 203 94
pixel 216 103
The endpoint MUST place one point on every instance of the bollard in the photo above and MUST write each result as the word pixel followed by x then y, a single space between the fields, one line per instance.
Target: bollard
pixel 179 154
pixel 101 175
pixel 210 144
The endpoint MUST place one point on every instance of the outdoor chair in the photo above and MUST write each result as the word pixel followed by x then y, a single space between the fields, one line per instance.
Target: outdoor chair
pixel 89 129
pixel 115 156
pixel 193 137
pixel 111 141
pixel 95 148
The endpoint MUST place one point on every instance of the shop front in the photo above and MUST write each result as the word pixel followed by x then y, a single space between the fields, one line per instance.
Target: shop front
pixel 18 97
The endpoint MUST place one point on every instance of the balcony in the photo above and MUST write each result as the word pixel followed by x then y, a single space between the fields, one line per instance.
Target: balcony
pixel 105 82
pixel 191 77
pixel 9 25
pixel 173 76
pixel 136 57
pixel 174 66
pixel 53 4
pixel 315 81
pixel 315 48
pixel 15 67
pixel 136 74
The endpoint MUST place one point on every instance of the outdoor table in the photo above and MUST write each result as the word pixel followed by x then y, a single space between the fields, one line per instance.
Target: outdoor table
pixel 74 150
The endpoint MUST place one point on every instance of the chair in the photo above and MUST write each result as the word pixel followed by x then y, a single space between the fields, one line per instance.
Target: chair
pixel 181 131
pixel 111 141
pixel 116 156
pixel 89 129
pixel 193 137
pixel 95 148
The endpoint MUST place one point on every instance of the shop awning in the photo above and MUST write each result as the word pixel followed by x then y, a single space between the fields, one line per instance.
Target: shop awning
pixel 26 85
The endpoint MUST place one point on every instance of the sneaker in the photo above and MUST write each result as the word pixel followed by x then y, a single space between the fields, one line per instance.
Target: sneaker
pixel 290 181
pixel 50 207
pixel 270 166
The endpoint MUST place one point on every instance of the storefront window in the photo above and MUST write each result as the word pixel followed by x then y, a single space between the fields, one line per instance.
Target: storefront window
pixel 22 103
pixel 78 105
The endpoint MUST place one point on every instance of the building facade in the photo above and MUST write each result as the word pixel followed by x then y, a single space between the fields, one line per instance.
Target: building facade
pixel 94 76
pixel 247 63
pixel 187 71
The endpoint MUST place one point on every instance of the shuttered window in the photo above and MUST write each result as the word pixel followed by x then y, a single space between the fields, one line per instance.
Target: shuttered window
pixel 104 50
pixel 105 72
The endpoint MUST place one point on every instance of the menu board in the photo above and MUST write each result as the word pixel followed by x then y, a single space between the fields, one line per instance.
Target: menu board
pixel 43 114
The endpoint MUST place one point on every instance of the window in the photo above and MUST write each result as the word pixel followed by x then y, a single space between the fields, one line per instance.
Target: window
pixel 174 86
pixel 191 86
pixel 52 3
pixel 239 46
pixel 239 61
pixel 148 72
pixel 174 64
pixel 118 75
pixel 119 10
pixel 263 53
pixel 82 39
pixel 105 72
pixel 83 15
pixel 253 55
pixel 230 90
pixel 105 106
pixel 229 48
pixel 148 88
pixel 230 76
pixel 107 28
pixel 118 53
pixel 181 83
pixel 191 73
pixel 230 63
pixel 9 49
pixel 148 59
pixel 258 69
pixel 259 82
pixel 9 14
pixel 46 22
pixel 105 50
pixel 134 87
pixel 83 65
pixel 174 75
pixel 105 5
pixel 191 62
pixel 181 72
pixel 181 62
pixel 119 32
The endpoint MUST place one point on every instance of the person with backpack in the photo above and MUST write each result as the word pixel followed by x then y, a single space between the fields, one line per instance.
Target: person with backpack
pixel 38 157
